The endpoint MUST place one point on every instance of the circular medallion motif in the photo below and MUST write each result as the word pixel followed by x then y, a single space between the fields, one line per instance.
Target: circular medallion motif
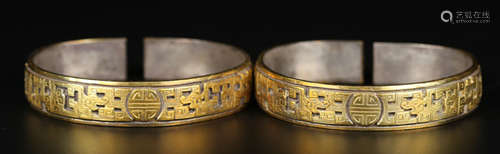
pixel 365 109
pixel 144 104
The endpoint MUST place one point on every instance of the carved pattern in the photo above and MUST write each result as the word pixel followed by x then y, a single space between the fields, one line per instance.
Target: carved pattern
pixel 368 108
pixel 144 104
pixel 364 109
pixel 110 103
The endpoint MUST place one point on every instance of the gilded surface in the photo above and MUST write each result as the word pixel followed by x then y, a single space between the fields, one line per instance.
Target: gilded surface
pixel 142 104
pixel 367 109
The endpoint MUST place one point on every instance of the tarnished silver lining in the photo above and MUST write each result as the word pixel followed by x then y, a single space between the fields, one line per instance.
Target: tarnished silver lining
pixel 164 58
pixel 342 62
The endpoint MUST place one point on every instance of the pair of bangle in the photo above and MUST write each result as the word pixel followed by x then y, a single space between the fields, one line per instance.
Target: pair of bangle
pixel 313 83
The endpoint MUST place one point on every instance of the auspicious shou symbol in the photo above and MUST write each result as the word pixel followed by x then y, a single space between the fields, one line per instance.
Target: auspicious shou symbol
pixel 371 109
pixel 364 109
pixel 125 104
pixel 96 91
pixel 144 104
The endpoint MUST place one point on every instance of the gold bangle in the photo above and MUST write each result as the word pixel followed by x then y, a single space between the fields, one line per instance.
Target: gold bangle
pixel 320 84
pixel 186 81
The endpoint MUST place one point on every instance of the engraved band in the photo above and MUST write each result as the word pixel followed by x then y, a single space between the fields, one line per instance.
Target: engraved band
pixel 321 84
pixel 185 81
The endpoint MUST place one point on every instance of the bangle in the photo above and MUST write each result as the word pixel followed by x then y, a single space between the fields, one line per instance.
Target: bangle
pixel 185 81
pixel 321 84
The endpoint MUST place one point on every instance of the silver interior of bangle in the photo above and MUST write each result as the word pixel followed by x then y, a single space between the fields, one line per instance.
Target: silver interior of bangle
pixel 342 62
pixel 164 58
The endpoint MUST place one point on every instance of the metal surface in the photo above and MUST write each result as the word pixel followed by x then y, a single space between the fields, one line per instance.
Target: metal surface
pixel 415 86
pixel 170 59
pixel 249 131
pixel 401 63
pixel 84 81
pixel 315 61
pixel 91 59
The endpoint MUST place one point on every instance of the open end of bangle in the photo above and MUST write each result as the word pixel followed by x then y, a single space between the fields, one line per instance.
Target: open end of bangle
pixel 342 62
pixel 164 58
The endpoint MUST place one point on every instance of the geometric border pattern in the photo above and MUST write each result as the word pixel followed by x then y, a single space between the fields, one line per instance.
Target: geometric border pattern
pixel 338 108
pixel 139 106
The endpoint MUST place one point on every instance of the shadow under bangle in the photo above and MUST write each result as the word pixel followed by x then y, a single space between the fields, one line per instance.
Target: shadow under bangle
pixel 186 80
pixel 321 84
